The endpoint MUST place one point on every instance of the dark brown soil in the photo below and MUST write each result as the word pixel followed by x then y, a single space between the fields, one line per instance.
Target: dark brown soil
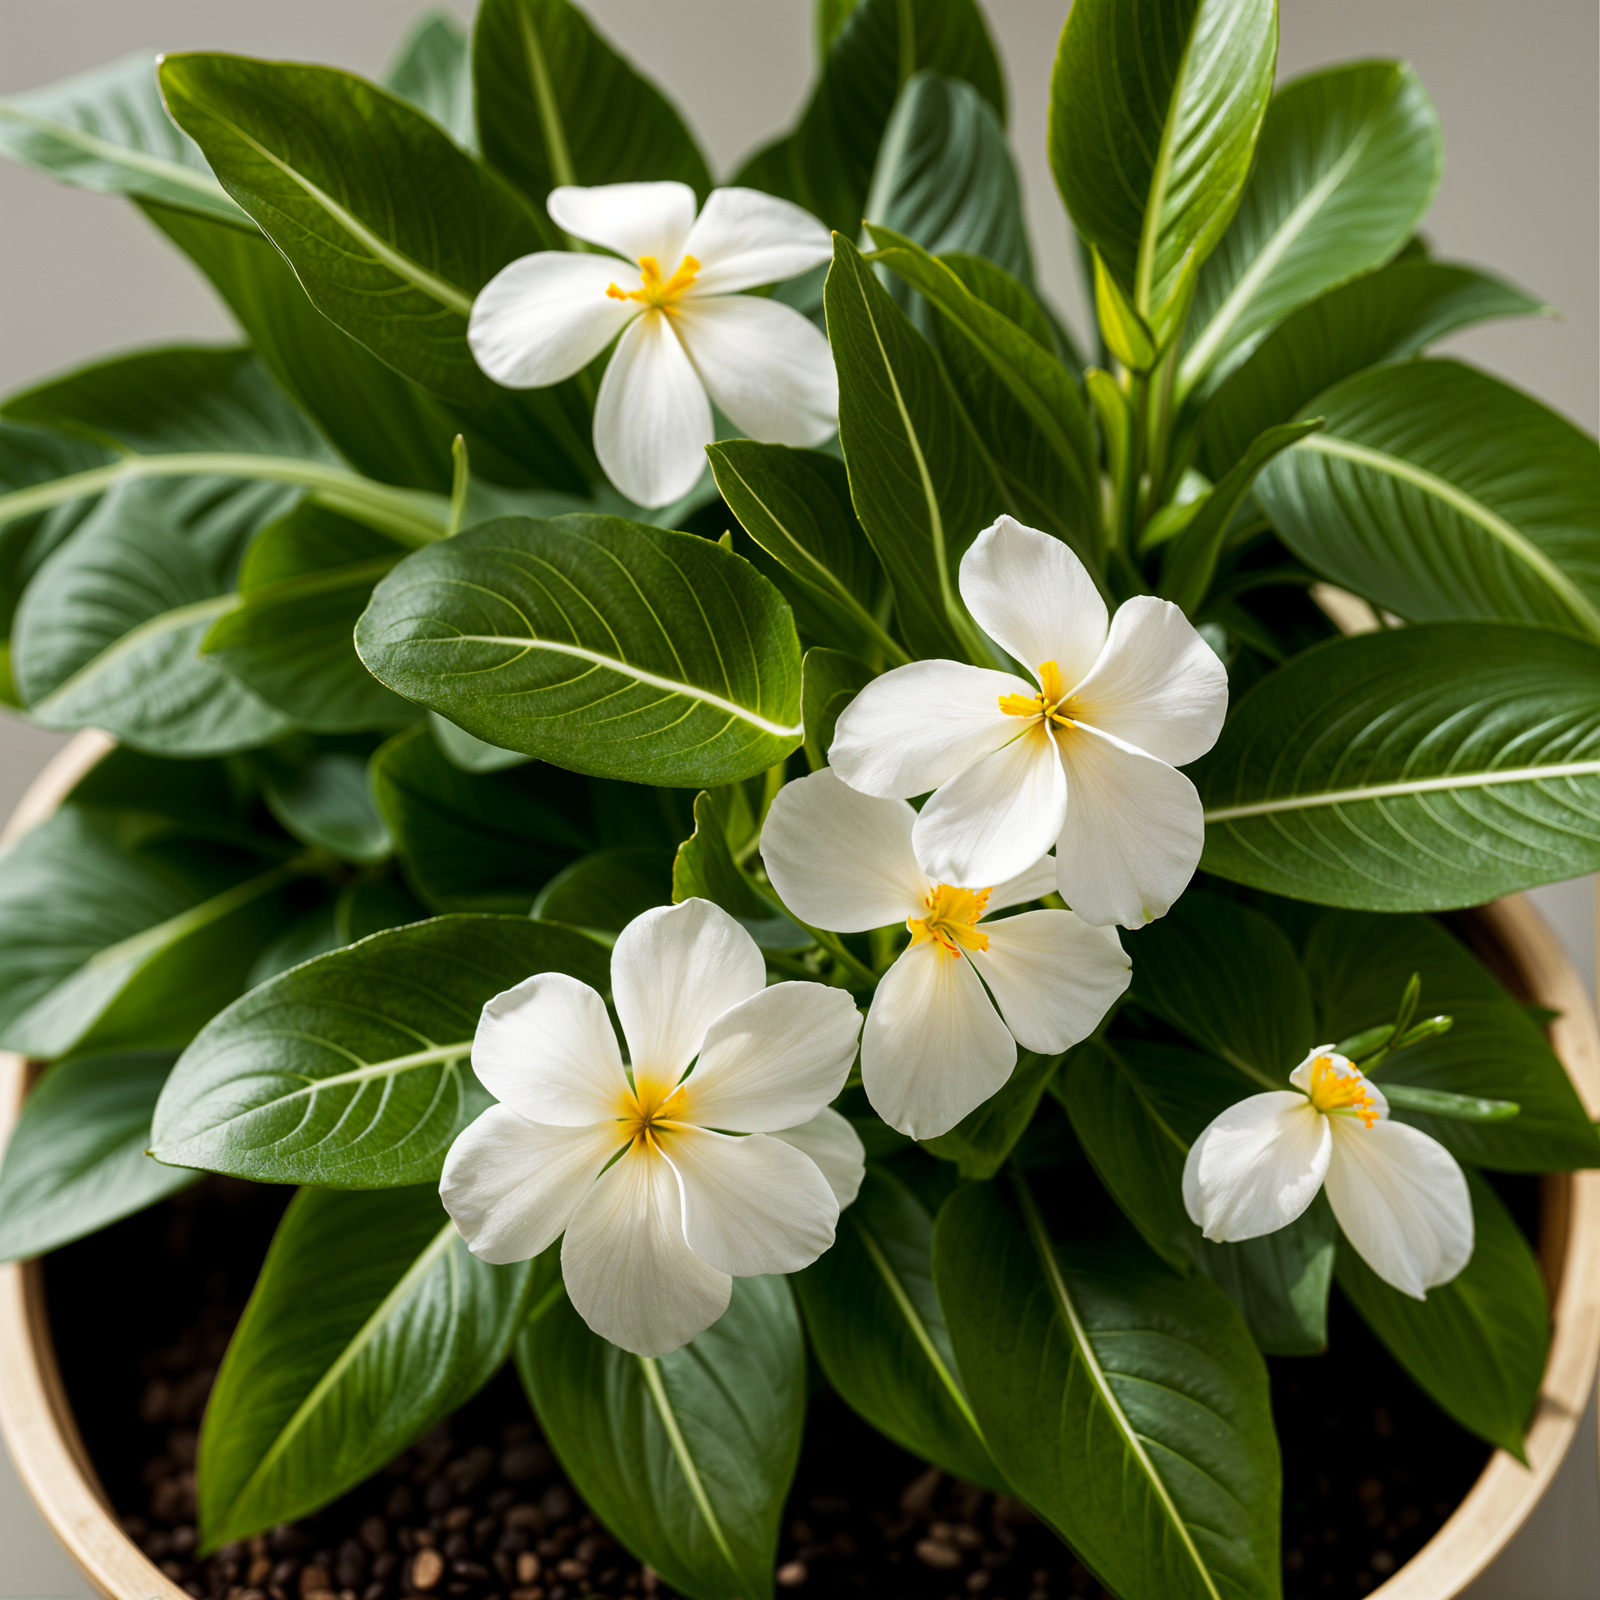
pixel 479 1510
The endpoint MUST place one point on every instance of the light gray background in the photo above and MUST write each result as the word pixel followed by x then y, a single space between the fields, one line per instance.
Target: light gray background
pixel 1516 84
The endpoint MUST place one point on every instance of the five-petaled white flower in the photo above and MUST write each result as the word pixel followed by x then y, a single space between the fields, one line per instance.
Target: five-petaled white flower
pixel 934 1048
pixel 661 1208
pixel 1399 1195
pixel 685 329
pixel 1084 759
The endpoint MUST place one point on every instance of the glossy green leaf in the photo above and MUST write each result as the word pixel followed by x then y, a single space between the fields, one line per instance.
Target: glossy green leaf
pixel 829 681
pixel 596 644
pixel 76 1158
pixel 1357 963
pixel 705 868
pixel 107 130
pixel 467 751
pixel 1381 317
pixel 921 483
pixel 875 1324
pixel 1348 162
pixel 686 1458
pixel 1418 769
pixel 1476 1345
pixel 557 104
pixel 370 1323
pixel 352 1072
pixel 29 457
pixel 1154 114
pixel 1128 1407
pixel 318 791
pixel 312 933
pixel 390 227
pixel 605 890
pixel 1421 494
pixel 982 1141
pixel 484 841
pixel 434 72
pixel 114 934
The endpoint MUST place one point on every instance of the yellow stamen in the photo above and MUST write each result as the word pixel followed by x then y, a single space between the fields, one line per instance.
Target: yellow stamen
pixel 653 290
pixel 952 919
pixel 1046 704
pixel 647 1109
pixel 1341 1090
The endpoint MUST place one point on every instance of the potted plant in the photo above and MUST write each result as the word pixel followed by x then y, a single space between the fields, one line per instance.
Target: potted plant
pixel 740 818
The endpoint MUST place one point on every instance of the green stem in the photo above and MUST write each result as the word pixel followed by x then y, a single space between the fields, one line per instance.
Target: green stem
pixel 835 946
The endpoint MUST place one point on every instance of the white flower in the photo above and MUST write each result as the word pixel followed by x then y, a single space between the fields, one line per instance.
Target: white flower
pixel 685 329
pixel 1084 759
pixel 661 1210
pixel 934 1047
pixel 1399 1195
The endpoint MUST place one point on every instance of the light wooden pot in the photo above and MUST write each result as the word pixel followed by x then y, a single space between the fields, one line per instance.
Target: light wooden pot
pixel 36 1417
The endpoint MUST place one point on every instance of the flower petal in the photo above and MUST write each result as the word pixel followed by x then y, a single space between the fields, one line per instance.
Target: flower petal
pixel 751 1205
pixel 743 238
pixel 652 421
pixel 1157 685
pixel 836 1148
pixel 547 1049
pixel 634 219
pixel 674 971
pixel 916 727
pixel 511 1186
pixel 1402 1202
pixel 629 1271
pixel 934 1047
pixel 1031 884
pixel 1257 1166
pixel 997 818
pixel 1034 598
pixel 546 317
pixel 1133 833
pixel 768 367
pixel 1052 976
pixel 840 859
pixel 773 1060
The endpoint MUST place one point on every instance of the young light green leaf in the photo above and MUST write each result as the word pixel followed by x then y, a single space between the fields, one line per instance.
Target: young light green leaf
pixel 1128 1407
pixel 351 1072
pixel 76 1159
pixel 879 1335
pixel 687 1458
pixel 1419 769
pixel 1444 1103
pixel 596 644
pixel 369 1324
pixel 434 72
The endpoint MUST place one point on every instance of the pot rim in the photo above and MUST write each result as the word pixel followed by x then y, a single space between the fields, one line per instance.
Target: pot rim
pixel 37 1423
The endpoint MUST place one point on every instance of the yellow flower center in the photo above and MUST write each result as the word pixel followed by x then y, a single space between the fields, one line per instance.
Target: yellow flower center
pixel 952 919
pixel 648 1109
pixel 1335 1091
pixel 654 290
pixel 1047 703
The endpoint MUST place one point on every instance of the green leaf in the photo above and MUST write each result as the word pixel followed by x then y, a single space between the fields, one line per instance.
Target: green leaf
pixel 557 104
pixel 596 644
pixel 1382 317
pixel 304 583
pixel 827 163
pixel 1126 1406
pixel 370 1323
pixel 879 1335
pixel 1348 162
pixel 705 869
pixel 107 130
pixel 434 72
pixel 76 1158
pixel 484 841
pixel 687 1458
pixel 1477 1345
pixel 319 793
pixel 981 1141
pixel 1357 963
pixel 921 483
pixel 829 681
pixel 605 890
pixel 471 754
pixel 1023 402
pixel 1154 114
pixel 115 934
pixel 795 504
pixel 1442 1103
pixel 390 227
pixel 1418 496
pixel 1418 769
pixel 351 1072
